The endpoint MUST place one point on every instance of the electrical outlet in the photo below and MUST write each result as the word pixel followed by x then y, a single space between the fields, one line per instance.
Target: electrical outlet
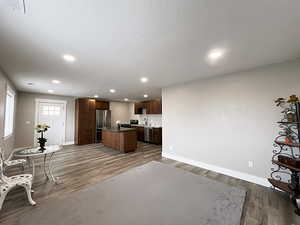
pixel 250 164
pixel 171 147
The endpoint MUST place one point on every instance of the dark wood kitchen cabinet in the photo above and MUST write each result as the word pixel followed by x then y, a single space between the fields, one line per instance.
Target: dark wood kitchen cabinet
pixel 151 107
pixel 157 136
pixel 140 133
pixel 155 107
pixel 85 120
pixel 124 140
pixel 138 108
pixel 103 105
pixel 147 106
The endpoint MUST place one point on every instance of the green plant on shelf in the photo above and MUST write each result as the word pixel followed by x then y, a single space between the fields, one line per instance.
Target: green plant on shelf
pixel 289 107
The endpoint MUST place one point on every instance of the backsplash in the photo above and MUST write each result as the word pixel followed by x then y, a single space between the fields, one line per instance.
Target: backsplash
pixel 153 120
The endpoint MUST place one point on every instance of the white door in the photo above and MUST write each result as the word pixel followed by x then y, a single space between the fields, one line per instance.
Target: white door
pixel 54 115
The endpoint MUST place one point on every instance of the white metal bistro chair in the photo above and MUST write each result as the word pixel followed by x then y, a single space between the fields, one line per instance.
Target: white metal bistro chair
pixel 12 162
pixel 8 183
pixel 9 162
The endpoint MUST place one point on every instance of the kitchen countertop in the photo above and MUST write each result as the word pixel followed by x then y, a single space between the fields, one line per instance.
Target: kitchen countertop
pixel 119 130
pixel 142 125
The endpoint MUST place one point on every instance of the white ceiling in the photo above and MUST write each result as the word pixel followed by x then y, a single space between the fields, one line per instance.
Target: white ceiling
pixel 117 42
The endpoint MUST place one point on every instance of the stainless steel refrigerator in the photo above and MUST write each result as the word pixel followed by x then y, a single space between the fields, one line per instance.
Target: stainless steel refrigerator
pixel 103 120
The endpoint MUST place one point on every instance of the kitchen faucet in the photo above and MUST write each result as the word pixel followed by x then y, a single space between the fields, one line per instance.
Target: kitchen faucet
pixel 146 121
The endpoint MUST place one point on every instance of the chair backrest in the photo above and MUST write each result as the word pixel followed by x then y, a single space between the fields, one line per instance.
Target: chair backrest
pixel 3 148
pixel 2 176
pixel 11 154
pixel 1 154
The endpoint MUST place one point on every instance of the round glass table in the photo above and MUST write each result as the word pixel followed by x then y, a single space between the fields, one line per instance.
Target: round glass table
pixel 31 153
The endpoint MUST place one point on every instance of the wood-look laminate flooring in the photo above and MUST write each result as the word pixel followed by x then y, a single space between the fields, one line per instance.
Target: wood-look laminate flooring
pixel 81 166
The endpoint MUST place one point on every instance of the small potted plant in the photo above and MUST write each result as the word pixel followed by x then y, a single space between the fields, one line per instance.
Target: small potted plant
pixel 41 128
pixel 289 108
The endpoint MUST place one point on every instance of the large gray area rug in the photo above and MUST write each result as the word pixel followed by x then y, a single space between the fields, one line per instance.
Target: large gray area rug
pixel 152 194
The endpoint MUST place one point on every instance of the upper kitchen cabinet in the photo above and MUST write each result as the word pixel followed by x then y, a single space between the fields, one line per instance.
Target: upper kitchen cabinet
pixel 151 107
pixel 102 105
pixel 85 121
pixel 138 108
pixel 155 107
pixel 147 106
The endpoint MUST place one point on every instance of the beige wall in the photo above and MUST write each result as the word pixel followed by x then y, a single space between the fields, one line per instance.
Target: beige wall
pixel 25 118
pixel 8 143
pixel 227 121
pixel 119 111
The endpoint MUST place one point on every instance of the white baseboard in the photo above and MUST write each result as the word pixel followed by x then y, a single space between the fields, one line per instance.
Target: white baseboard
pixel 69 143
pixel 228 172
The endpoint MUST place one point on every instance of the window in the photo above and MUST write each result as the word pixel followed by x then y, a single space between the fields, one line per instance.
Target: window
pixel 51 110
pixel 9 112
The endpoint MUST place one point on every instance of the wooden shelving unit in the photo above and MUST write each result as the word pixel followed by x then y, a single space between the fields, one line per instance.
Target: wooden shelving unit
pixel 285 174
pixel 291 168
pixel 297 145
pixel 282 186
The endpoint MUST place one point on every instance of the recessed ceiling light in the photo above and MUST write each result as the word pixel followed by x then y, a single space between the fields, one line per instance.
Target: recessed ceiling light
pixel 96 96
pixel 50 91
pixel 112 90
pixel 30 84
pixel 144 79
pixel 215 54
pixel 56 81
pixel 145 96
pixel 69 58
pixel 126 99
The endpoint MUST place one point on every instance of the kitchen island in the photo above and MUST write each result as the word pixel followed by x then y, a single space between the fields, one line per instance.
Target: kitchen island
pixel 124 139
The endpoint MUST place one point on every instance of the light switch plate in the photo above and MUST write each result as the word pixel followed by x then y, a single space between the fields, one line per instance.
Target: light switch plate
pixel 250 164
